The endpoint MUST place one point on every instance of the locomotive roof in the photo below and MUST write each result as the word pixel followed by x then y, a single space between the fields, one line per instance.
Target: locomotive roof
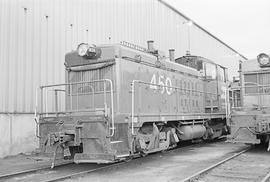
pixel 152 59
pixel 112 51
pixel 192 61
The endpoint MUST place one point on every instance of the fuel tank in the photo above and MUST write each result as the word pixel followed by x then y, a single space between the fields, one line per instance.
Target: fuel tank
pixel 192 131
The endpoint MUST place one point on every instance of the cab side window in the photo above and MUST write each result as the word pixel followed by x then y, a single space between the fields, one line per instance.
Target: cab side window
pixel 221 74
pixel 210 71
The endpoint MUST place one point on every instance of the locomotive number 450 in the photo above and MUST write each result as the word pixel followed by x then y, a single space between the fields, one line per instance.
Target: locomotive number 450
pixel 161 82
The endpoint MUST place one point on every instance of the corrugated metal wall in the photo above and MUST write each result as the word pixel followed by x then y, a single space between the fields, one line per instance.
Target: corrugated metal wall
pixel 36 34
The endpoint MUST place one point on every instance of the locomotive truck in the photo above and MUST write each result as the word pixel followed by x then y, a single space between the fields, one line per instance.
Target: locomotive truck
pixel 122 100
pixel 250 121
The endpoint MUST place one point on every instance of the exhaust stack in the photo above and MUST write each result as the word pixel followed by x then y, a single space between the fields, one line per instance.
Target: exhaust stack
pixel 150 46
pixel 172 55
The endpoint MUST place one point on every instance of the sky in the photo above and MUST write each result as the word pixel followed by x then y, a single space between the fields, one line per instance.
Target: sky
pixel 242 24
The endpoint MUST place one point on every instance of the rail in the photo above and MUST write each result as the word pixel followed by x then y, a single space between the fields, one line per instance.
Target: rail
pixel 206 170
pixel 174 89
pixel 73 97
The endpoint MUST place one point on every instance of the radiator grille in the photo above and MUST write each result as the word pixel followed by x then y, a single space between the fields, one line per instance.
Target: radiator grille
pixel 257 83
pixel 88 76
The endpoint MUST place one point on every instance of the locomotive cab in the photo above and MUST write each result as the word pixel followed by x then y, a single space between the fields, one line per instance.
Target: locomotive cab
pixel 215 80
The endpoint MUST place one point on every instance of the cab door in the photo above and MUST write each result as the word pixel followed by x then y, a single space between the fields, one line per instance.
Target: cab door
pixel 222 88
pixel 211 88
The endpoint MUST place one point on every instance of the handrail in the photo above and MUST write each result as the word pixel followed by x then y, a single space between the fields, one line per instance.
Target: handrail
pixel 256 85
pixel 112 106
pixel 257 93
pixel 73 83
pixel 46 99
pixel 139 81
pixel 42 88
pixel 132 105
pixel 242 107
pixel 133 97
pixel 70 84
pixel 227 111
pixel 36 118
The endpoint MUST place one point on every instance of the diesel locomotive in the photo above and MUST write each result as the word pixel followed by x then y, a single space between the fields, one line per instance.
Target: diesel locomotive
pixel 123 100
pixel 250 118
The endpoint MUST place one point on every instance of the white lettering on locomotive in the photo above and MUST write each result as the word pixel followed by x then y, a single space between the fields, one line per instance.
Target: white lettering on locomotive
pixel 169 88
pixel 164 83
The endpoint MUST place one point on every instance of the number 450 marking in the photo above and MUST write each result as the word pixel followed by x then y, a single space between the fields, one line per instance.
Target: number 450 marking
pixel 164 82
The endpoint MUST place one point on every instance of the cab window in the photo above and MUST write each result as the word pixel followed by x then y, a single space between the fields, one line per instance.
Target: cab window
pixel 210 71
pixel 221 74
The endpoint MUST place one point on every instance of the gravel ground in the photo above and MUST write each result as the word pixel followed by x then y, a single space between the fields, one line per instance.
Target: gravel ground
pixel 22 162
pixel 250 166
pixel 169 166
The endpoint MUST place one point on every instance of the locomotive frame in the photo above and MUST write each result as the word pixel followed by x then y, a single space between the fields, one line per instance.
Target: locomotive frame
pixel 122 100
pixel 250 121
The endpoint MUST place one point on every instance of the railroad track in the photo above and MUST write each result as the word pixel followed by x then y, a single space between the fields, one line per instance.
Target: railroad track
pixel 6 177
pixel 46 174
pixel 28 171
pixel 266 178
pixel 70 170
pixel 60 172
pixel 213 173
pixel 82 173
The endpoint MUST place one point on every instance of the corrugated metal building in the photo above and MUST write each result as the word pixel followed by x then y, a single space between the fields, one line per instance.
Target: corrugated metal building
pixel 36 34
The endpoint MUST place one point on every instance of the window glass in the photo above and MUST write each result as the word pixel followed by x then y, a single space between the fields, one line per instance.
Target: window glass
pixel 221 74
pixel 210 71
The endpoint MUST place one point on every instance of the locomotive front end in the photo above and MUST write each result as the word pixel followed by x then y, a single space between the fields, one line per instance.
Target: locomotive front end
pixel 250 122
pixel 76 119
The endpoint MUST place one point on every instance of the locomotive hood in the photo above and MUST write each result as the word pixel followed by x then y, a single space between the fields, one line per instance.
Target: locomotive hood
pixel 252 65
pixel 106 54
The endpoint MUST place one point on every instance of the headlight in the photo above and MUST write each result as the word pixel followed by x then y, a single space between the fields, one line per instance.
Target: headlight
pixel 92 51
pixel 263 59
pixel 88 51
pixel 82 49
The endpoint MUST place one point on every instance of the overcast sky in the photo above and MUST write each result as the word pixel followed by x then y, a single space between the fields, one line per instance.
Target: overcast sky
pixel 242 24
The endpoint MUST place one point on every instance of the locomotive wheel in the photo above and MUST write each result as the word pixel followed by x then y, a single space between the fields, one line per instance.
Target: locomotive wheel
pixel 208 134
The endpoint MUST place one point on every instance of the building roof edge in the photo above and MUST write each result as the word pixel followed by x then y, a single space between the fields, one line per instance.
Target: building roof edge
pixel 187 18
